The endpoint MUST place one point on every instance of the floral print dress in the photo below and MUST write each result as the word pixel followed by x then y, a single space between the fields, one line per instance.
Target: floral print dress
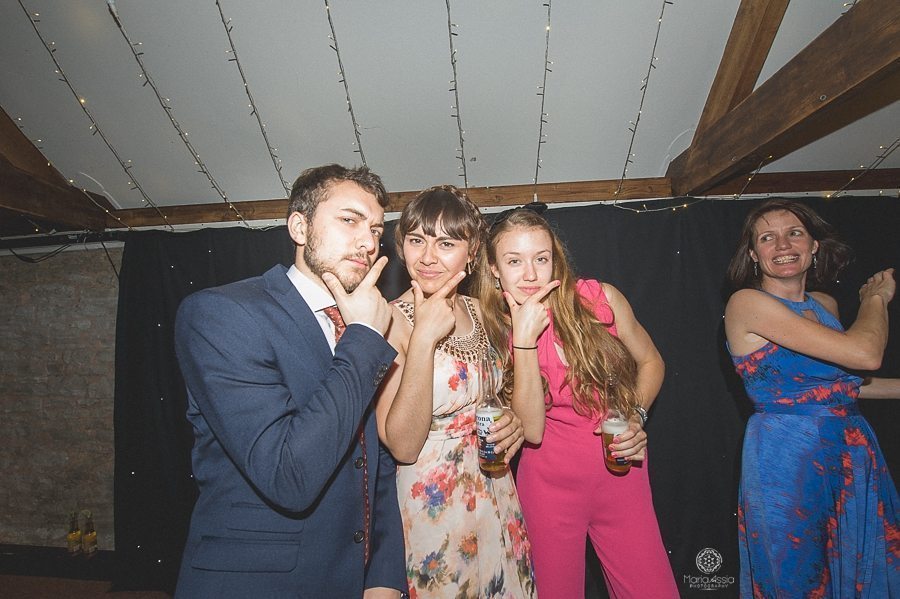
pixel 818 513
pixel 464 533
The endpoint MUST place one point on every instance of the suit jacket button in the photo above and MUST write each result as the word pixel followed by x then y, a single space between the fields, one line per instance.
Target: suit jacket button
pixel 358 536
pixel 382 370
pixel 359 463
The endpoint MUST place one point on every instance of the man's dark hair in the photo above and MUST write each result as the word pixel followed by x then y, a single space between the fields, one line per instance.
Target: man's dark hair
pixel 313 184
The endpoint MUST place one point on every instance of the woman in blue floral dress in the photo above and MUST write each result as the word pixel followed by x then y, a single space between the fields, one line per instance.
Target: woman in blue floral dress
pixel 464 532
pixel 818 508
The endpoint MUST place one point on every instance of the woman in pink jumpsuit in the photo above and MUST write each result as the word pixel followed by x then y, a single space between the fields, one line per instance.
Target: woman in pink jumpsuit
pixel 573 349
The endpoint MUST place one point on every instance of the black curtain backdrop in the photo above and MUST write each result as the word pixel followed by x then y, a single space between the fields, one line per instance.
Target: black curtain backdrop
pixel 670 264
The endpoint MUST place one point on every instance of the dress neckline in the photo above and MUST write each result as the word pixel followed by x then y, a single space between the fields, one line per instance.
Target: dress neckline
pixel 467 302
pixel 470 347
pixel 805 303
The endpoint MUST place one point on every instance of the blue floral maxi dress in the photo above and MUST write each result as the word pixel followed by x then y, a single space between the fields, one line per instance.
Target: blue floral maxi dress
pixel 818 509
pixel 464 531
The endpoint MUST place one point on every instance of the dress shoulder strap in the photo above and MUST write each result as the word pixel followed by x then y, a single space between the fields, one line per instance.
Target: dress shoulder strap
pixel 407 309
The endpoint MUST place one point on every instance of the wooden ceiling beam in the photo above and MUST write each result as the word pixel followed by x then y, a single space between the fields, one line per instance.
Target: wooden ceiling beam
pixel 23 155
pixel 28 194
pixel 550 193
pixel 751 37
pixel 503 195
pixel 814 181
pixel 33 187
pixel 851 70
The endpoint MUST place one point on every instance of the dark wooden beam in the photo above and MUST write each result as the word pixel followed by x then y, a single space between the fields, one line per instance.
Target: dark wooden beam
pixel 802 181
pixel 24 193
pixel 851 70
pixel 752 34
pixel 31 186
pixel 504 195
pixel 23 155
pixel 514 195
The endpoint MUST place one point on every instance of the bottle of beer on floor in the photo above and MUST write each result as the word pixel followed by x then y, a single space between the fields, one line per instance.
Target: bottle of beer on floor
pixel 488 412
pixel 73 537
pixel 89 536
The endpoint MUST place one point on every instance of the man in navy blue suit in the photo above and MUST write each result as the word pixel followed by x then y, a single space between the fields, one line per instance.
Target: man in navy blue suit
pixel 297 498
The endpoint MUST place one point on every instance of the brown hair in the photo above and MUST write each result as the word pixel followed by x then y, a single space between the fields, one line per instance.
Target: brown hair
pixel 832 256
pixel 596 357
pixel 312 186
pixel 448 206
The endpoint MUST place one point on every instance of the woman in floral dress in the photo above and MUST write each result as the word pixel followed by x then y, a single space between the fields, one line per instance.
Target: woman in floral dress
pixel 818 513
pixel 463 528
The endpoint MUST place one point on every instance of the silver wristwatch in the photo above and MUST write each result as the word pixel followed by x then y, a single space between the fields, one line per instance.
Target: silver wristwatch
pixel 643 414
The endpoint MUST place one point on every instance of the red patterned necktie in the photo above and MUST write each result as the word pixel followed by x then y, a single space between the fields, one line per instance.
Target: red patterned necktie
pixel 334 315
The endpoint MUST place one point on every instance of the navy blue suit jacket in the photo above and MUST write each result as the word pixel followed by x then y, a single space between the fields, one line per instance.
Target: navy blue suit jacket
pixel 276 455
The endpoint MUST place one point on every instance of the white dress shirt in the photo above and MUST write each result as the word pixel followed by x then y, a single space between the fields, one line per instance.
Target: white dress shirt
pixel 318 299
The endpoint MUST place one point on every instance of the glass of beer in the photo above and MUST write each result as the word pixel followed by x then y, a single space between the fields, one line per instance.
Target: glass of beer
pixel 614 424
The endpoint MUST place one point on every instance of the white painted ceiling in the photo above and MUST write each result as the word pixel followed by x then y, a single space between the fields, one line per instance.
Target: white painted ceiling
pixel 397 64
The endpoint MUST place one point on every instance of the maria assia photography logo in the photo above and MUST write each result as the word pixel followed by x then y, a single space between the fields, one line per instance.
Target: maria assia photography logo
pixel 708 562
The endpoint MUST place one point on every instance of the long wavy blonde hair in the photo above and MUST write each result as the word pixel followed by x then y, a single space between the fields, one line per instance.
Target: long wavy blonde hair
pixel 602 372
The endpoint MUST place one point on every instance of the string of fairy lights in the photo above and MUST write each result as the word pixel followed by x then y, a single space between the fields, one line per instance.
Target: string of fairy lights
pixel 34 19
pixel 750 178
pixel 343 75
pixel 167 108
pixel 542 92
pixel 848 6
pixel 881 157
pixel 452 30
pixel 38 228
pixel 254 111
pixel 645 83
pixel 454 87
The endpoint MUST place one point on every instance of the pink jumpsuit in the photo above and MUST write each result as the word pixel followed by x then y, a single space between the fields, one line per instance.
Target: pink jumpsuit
pixel 566 493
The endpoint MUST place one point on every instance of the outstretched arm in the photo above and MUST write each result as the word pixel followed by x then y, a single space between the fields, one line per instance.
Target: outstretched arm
pixel 880 388
pixel 753 318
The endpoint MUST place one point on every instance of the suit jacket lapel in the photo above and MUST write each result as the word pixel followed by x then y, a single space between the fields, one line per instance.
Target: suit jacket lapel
pixel 283 291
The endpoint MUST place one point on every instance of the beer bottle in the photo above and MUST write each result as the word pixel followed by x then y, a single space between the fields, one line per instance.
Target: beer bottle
pixel 89 536
pixel 73 537
pixel 488 412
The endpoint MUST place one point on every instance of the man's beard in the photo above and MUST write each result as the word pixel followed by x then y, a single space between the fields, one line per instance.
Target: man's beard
pixel 319 266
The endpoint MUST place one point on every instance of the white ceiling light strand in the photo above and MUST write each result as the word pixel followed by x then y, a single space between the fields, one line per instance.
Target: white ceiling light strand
pixel 738 195
pixel 618 204
pixel 343 75
pixel 95 127
pixel 543 94
pixel 109 212
pixel 644 84
pixel 83 190
pixel 885 152
pixel 455 89
pixel 226 23
pixel 148 80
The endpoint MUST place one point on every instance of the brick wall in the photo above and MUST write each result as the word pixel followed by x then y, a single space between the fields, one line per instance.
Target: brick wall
pixel 57 354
